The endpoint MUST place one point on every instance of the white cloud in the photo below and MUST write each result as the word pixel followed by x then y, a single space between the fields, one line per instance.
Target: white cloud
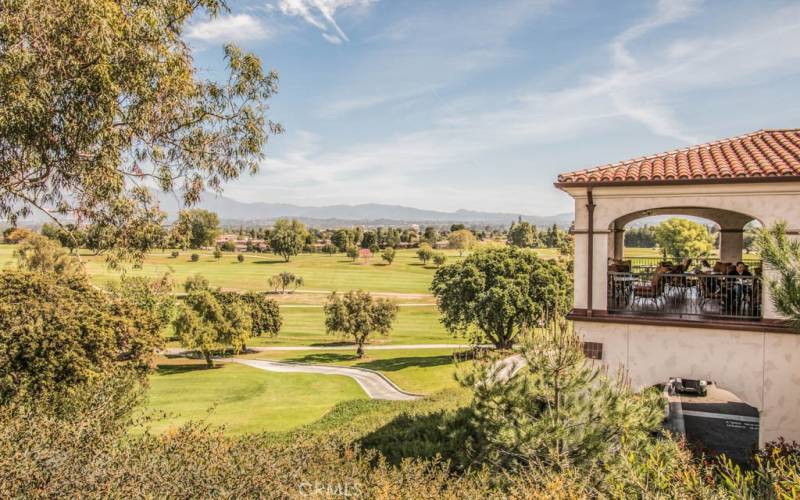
pixel 320 14
pixel 470 138
pixel 230 28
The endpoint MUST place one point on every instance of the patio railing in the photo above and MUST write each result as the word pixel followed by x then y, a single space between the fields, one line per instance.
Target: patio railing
pixel 690 295
pixel 650 264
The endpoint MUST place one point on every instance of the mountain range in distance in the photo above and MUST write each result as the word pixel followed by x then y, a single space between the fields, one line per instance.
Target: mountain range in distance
pixel 233 212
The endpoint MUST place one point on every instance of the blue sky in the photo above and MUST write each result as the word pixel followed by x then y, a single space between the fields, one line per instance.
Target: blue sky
pixel 480 104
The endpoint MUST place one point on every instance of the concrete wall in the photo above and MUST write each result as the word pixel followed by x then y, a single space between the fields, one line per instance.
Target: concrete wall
pixel 762 368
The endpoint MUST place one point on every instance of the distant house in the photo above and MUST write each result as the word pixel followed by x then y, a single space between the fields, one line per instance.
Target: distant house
pixel 659 321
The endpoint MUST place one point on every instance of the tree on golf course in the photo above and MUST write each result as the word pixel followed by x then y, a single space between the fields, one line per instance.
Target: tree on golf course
pixel 498 292
pixel 287 238
pixel 358 315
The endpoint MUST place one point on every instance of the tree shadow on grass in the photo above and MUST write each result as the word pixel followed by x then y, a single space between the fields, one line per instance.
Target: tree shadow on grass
pixel 395 364
pixel 273 261
pixel 185 368
pixel 323 345
pixel 323 358
pixel 424 436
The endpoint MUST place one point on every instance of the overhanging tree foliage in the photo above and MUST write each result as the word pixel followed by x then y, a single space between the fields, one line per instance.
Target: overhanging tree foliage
pixel 499 292
pixel 783 255
pixel 98 96
pixel 58 333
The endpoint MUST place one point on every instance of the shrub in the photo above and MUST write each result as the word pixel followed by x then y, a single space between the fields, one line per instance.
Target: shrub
pixel 217 254
pixel 374 248
pixel 195 282
pixel 59 333
pixel 195 257
pixel 240 258
pixel 228 246
pixel 174 254
pixel 439 258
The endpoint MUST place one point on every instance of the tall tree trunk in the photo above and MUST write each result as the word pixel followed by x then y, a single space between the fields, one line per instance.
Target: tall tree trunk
pixel 360 349
pixel 209 361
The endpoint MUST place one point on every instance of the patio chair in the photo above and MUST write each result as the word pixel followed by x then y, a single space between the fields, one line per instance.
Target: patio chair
pixel 652 291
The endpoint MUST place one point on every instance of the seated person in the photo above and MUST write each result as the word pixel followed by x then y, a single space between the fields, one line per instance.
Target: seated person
pixel 738 290
pixel 705 267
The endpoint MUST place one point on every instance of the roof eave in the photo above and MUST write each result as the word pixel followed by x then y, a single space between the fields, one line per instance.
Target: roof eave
pixel 679 182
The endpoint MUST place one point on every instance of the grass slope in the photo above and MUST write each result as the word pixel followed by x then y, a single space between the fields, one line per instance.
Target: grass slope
pixel 241 398
pixel 424 371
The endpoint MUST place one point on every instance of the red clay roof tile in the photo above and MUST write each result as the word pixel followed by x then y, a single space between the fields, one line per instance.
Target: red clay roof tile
pixel 766 153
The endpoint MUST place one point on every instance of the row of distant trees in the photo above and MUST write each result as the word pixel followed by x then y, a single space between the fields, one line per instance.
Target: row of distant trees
pixel 199 228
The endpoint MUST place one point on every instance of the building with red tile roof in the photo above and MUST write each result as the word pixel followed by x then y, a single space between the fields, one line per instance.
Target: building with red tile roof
pixel 762 155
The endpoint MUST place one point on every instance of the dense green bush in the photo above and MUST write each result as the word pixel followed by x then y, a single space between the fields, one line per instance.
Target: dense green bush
pixel 59 332
pixel 240 258
pixel 174 254
pixel 499 292
pixel 195 257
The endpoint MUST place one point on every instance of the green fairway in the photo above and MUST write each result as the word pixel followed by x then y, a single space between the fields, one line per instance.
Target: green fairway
pixel 422 371
pixel 406 275
pixel 306 326
pixel 244 399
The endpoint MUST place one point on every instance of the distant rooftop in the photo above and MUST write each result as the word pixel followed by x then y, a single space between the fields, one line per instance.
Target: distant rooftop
pixel 762 155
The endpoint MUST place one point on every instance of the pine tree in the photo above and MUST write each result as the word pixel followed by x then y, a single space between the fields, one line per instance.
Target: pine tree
pixel 551 407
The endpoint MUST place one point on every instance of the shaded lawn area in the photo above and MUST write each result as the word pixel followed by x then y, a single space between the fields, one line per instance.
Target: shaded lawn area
pixel 241 398
pixel 424 371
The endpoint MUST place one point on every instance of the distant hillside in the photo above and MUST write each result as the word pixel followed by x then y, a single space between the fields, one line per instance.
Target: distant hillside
pixel 232 211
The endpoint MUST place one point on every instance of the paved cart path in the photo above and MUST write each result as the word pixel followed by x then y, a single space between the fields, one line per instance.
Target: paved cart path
pixel 374 384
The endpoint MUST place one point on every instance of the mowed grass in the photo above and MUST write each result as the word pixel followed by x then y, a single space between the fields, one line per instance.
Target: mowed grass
pixel 305 325
pixel 406 275
pixel 422 371
pixel 241 398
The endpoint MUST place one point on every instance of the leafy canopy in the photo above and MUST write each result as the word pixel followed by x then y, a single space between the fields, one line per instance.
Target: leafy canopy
pixel 682 238
pixel 287 238
pixel 357 314
pixel 500 291
pixel 98 96
pixel 58 333
pixel 783 255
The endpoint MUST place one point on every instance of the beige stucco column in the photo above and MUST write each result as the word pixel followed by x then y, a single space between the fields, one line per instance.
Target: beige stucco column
pixel 619 243
pixel 730 244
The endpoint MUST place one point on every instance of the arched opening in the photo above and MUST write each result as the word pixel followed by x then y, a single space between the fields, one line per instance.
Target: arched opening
pixel 687 262
pixel 712 418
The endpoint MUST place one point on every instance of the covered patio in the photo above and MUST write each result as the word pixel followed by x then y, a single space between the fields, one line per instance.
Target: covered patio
pixel 704 286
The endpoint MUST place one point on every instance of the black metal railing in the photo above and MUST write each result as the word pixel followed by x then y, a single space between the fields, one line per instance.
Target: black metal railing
pixel 650 264
pixel 689 295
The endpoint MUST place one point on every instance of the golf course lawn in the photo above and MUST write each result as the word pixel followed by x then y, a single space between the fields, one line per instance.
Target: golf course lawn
pixel 244 399
pixel 321 272
pixel 306 326
pixel 422 371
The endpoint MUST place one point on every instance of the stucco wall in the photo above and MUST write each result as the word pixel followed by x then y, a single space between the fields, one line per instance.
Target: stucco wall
pixel 765 202
pixel 762 368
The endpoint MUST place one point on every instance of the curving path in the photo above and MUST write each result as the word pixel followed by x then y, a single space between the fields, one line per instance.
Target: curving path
pixel 374 384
